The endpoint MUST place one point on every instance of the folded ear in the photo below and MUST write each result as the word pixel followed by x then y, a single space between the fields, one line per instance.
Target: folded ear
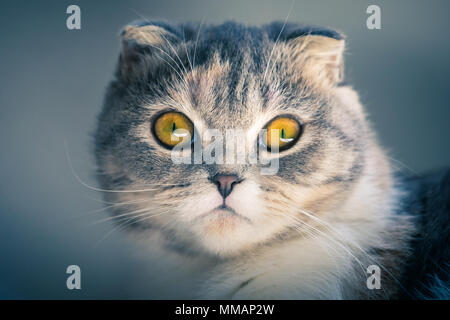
pixel 141 44
pixel 317 54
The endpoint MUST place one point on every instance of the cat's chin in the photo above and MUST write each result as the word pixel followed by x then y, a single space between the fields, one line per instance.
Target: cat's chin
pixel 224 232
pixel 222 221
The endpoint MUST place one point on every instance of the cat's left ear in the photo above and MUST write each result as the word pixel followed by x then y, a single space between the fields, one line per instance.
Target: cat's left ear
pixel 144 45
pixel 318 54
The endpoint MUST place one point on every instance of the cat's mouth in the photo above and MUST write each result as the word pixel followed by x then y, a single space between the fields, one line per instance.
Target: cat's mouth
pixel 223 212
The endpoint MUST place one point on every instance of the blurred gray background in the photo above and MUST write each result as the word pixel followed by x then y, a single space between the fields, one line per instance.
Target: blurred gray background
pixel 51 85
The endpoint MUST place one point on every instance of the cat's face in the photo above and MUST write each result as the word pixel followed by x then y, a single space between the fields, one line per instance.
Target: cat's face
pixel 239 80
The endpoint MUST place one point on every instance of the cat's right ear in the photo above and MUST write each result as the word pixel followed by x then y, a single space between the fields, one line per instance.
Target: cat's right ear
pixel 314 54
pixel 142 47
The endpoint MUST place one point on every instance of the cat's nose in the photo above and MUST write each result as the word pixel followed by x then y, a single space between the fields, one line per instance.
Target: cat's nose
pixel 225 183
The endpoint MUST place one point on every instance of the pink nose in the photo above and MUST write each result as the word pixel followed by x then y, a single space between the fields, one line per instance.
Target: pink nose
pixel 225 183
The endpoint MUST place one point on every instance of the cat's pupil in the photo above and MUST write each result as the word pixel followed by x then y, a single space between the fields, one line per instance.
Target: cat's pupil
pixel 283 134
pixel 173 126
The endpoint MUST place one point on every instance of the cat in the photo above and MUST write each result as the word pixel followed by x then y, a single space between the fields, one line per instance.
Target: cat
pixel 334 206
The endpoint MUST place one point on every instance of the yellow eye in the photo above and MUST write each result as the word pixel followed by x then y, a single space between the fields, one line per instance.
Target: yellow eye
pixel 172 128
pixel 283 131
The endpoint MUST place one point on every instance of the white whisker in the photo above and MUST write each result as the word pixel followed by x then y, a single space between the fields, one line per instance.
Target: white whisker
pixel 196 41
pixel 185 48
pixel 122 226
pixel 278 38
pixel 370 257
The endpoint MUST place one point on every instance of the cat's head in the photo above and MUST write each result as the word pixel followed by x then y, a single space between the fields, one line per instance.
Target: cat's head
pixel 228 77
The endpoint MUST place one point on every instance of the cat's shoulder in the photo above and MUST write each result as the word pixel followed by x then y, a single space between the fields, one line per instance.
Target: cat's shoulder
pixel 427 274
